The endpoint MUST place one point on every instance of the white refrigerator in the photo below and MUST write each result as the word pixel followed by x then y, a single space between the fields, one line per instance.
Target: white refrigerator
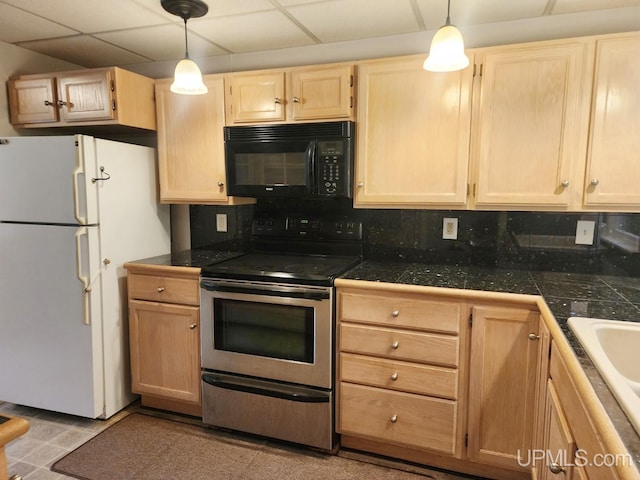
pixel 73 209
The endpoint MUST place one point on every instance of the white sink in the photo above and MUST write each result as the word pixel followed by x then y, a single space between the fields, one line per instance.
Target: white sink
pixel 614 348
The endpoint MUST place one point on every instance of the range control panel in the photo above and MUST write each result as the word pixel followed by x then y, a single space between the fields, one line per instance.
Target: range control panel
pixel 302 226
pixel 333 169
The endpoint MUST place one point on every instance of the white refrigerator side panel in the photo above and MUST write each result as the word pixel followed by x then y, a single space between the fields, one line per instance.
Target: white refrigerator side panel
pixel 46 180
pixel 133 225
pixel 50 357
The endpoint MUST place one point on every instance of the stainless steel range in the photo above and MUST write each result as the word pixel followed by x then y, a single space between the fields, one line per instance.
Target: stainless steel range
pixel 268 329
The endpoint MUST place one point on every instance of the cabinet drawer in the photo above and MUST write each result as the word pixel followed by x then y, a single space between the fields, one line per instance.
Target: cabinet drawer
pixel 399 344
pixel 398 417
pixel 164 289
pixel 407 377
pixel 400 311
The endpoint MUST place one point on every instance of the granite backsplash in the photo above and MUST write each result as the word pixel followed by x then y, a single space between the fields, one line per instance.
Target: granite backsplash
pixel 520 240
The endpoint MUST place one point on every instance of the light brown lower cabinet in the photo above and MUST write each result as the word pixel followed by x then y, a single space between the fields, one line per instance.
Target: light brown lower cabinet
pixel 164 337
pixel 443 380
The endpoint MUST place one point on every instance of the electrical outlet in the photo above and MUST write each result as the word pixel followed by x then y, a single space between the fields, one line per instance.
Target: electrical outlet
pixel 450 228
pixel 584 232
pixel 221 222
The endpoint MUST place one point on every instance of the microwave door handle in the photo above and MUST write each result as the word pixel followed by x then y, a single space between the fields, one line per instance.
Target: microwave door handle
pixel 310 165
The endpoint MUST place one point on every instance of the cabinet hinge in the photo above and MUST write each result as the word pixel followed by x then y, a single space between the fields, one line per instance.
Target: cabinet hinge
pixel 466 439
pixel 113 86
pixel 351 102
pixel 471 319
pixel 474 70
pixel 481 65
pixel 351 80
pixel 113 105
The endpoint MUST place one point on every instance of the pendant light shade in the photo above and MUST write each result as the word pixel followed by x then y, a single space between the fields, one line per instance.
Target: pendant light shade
pixel 447 49
pixel 187 79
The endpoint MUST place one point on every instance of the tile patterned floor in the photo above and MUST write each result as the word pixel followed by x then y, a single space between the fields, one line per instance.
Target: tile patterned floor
pixel 50 436
pixel 53 435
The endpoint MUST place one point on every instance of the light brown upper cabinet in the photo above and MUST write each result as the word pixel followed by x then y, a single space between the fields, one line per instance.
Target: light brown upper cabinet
pixel 529 133
pixel 413 135
pixel 103 96
pixel 613 168
pixel 191 162
pixel 299 94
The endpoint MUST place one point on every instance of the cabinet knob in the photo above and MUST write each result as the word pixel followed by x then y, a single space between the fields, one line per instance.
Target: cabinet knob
pixel 565 183
pixel 394 376
pixel 47 103
pixel 160 289
pixel 395 345
pixel 192 326
pixel 360 185
pixel 533 336
pixel 221 184
pixel 296 100
pixel 556 468
pixel 277 101
pixel 595 182
pixel 62 104
pixel 395 313
pixel 393 419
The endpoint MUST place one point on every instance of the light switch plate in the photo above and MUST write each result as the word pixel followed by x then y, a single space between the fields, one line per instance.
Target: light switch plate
pixel 221 222
pixel 450 228
pixel 584 232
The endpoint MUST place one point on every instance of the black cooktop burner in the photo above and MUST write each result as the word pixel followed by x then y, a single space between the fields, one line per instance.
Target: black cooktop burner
pixel 283 268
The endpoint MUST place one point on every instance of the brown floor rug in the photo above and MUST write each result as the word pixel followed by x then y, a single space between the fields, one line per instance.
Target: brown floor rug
pixel 144 447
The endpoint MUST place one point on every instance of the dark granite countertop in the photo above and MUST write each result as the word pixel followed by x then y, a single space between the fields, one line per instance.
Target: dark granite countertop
pixel 196 258
pixel 567 295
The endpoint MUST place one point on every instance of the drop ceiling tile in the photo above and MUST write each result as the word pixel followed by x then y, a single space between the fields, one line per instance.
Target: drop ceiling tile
pixel 473 12
pixel 573 6
pixel 165 42
pixel 16 25
pixel 342 20
pixel 252 32
pixel 84 50
pixel 89 16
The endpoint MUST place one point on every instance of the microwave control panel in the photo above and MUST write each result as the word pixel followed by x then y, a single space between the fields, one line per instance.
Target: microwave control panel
pixel 333 169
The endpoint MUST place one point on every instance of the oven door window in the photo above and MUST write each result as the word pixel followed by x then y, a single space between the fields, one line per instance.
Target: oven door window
pixel 264 329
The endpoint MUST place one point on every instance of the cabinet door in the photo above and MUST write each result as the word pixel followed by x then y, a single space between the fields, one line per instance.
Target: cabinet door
pixel 502 384
pixel 613 171
pixel 256 97
pixel 322 93
pixel 191 144
pixel 33 101
pixel 413 135
pixel 530 132
pixel 86 96
pixel 165 345
pixel 558 443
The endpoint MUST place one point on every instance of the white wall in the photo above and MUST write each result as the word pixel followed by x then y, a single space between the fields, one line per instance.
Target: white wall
pixel 17 61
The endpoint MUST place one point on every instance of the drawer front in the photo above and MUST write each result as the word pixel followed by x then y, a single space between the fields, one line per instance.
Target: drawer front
pixel 400 345
pixel 400 311
pixel 403 376
pixel 164 289
pixel 397 417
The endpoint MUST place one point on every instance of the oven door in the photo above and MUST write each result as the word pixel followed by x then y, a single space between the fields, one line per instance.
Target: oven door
pixel 269 331
pixel 270 168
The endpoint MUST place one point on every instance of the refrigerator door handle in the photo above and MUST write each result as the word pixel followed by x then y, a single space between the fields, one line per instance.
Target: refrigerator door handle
pixel 85 280
pixel 79 170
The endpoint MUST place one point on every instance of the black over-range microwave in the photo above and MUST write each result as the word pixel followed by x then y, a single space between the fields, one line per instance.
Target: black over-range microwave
pixel 305 159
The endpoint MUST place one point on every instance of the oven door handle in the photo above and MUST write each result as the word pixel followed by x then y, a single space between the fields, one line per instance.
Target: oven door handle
pixel 270 291
pixel 257 387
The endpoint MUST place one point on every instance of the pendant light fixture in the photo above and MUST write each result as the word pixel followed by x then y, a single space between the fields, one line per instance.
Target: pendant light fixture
pixel 187 79
pixel 447 49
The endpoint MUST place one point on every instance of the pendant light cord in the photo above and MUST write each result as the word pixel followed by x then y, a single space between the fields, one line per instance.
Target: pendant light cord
pixel 448 22
pixel 186 44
